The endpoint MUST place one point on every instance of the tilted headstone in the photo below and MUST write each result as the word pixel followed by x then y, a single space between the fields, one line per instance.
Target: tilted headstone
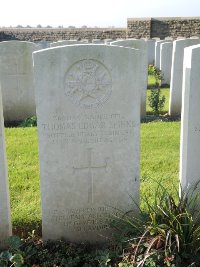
pixel 166 61
pixel 66 42
pixel 142 46
pixel 157 52
pixel 16 76
pixel 88 124
pixel 175 100
pixel 5 220
pixel 190 118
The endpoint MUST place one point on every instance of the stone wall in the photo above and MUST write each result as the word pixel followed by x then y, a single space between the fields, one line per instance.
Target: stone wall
pixel 163 27
pixel 52 35
pixel 175 27
pixel 139 28
pixel 136 28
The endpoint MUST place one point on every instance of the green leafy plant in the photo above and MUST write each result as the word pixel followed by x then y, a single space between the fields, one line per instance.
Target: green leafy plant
pixel 13 256
pixel 156 100
pixel 32 251
pixel 167 234
pixel 29 122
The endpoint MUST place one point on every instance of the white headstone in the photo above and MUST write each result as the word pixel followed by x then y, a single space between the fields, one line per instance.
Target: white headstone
pixel 142 46
pixel 88 124
pixel 166 61
pixel 151 51
pixel 66 42
pixel 157 52
pixel 190 118
pixel 177 74
pixel 16 75
pixel 5 220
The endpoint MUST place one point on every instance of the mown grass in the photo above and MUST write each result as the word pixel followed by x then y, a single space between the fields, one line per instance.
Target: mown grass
pixel 23 167
pixel 159 161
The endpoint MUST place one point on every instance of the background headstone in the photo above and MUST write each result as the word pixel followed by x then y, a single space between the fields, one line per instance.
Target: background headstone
pixel 151 51
pixel 142 46
pixel 5 220
pixel 88 124
pixel 157 52
pixel 177 74
pixel 66 42
pixel 16 76
pixel 190 118
pixel 166 61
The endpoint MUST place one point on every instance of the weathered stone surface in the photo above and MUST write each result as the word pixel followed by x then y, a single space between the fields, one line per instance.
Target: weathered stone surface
pixel 55 34
pixel 5 221
pixel 177 74
pixel 87 101
pixel 166 61
pixel 163 27
pixel 142 46
pixel 190 118
pixel 16 75
pixel 139 28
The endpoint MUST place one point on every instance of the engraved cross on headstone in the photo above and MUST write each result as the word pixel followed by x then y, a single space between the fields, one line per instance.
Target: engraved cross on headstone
pixel 90 169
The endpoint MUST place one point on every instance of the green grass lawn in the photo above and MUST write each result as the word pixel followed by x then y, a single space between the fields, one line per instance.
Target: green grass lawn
pixel 159 161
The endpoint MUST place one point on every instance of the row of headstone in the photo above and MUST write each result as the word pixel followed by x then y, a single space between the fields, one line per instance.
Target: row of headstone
pixel 169 59
pixel 175 100
pixel 16 76
pixel 83 41
pixel 88 110
pixel 16 72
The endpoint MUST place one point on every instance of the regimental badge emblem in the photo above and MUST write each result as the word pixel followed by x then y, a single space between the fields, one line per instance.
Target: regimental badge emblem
pixel 88 83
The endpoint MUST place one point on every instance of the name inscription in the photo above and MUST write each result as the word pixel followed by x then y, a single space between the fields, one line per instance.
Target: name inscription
pixel 91 129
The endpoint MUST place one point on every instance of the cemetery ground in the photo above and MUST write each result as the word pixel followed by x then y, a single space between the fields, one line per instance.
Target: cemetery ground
pixel 159 160
pixel 159 168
